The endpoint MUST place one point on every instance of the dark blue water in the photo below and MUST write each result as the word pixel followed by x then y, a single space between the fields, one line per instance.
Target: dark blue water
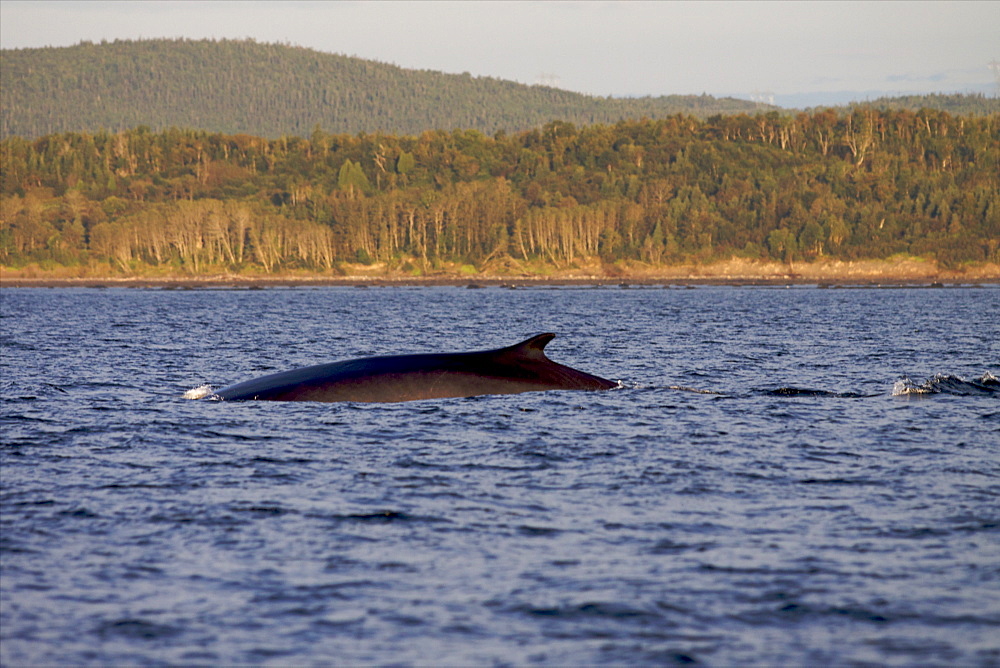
pixel 829 495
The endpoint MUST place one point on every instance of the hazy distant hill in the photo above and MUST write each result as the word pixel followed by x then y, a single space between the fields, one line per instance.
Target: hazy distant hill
pixel 974 101
pixel 272 90
pixel 953 103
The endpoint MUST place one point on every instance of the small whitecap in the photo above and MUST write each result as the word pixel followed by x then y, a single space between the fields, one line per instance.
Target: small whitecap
pixel 905 386
pixel 199 392
pixel 682 388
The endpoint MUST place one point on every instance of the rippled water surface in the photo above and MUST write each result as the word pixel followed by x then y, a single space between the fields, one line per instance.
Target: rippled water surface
pixel 829 495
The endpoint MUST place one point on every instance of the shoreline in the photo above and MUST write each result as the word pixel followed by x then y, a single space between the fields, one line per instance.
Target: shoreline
pixel 243 283
pixel 906 272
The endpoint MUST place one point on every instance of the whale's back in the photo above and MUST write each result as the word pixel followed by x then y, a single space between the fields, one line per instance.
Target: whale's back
pixel 519 368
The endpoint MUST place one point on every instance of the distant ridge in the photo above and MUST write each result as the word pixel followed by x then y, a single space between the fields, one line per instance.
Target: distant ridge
pixel 270 90
pixel 978 102
pixel 953 103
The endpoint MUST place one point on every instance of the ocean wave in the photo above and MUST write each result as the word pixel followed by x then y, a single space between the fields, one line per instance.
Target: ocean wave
pixel 987 384
pixel 811 392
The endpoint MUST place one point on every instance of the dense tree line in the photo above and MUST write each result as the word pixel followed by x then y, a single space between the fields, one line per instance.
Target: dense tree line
pixel 953 103
pixel 270 90
pixel 864 184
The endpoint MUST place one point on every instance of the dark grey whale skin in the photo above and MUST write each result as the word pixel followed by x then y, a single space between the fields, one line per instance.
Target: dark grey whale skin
pixel 519 368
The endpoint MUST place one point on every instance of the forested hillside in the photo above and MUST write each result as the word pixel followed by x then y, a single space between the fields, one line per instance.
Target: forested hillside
pixel 953 103
pixel 868 184
pixel 271 90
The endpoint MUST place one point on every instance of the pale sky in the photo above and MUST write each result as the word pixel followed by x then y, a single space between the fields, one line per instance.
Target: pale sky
pixel 619 48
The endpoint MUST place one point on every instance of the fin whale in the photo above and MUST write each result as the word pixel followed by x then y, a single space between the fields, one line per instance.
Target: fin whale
pixel 519 368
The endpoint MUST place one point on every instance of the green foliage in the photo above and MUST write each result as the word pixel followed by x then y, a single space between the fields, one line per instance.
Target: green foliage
pixel 352 179
pixel 868 184
pixel 405 163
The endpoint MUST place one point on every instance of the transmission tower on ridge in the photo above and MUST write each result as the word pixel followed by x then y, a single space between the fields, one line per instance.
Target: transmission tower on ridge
pixel 995 66
pixel 762 97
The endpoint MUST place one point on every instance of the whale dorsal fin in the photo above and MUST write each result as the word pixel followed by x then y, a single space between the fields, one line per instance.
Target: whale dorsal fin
pixel 532 349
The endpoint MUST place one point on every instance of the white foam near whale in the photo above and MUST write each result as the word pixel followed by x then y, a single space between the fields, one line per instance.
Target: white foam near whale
pixel 199 392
